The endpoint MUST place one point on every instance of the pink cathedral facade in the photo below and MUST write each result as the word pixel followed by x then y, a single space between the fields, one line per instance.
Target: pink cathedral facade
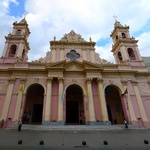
pixel 72 85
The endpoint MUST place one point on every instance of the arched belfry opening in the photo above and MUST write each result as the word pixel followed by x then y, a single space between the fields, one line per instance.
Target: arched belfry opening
pixel 114 105
pixel 74 105
pixel 33 109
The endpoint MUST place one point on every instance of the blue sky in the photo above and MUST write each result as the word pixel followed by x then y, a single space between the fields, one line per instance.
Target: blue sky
pixel 17 9
pixel 90 18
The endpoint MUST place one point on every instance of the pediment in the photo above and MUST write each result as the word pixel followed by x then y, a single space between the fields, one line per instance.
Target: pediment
pixel 73 65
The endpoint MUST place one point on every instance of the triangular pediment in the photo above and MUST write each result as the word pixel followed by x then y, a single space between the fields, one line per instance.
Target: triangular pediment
pixel 73 65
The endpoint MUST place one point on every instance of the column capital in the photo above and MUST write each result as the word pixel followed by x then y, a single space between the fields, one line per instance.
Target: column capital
pixel 124 82
pixel 60 79
pixel 89 79
pixel 49 79
pixel 99 80
pixel 23 80
pixel 12 80
pixel 134 82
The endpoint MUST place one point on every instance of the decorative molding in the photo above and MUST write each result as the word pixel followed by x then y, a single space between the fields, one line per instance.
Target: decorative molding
pixel 72 37
pixel 124 82
pixel 3 86
pixel 12 80
pixel 99 80
pixel 144 88
pixel 88 80
pixel 49 79
pixel 23 80
pixel 134 82
pixel 61 79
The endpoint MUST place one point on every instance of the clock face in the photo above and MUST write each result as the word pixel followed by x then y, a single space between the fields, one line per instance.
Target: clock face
pixel 73 55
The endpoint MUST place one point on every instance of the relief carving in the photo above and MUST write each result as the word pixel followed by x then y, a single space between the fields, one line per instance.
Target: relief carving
pixel 3 86
pixel 144 88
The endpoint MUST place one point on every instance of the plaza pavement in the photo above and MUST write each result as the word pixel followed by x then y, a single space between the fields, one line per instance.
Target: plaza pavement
pixel 70 137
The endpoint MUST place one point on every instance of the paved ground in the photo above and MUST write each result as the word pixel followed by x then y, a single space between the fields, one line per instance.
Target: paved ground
pixel 71 137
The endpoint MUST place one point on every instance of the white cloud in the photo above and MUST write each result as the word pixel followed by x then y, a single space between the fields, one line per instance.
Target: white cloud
pixel 144 44
pixel 90 18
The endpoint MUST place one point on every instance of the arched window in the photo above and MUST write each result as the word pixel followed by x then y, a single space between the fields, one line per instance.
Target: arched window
pixel 18 32
pixel 131 54
pixel 119 56
pixel 123 35
pixel 116 37
pixel 12 51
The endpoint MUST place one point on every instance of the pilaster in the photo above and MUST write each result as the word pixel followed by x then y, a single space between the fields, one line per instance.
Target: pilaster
pixel 90 100
pixel 129 102
pixel 102 100
pixel 19 104
pixel 60 100
pixel 48 100
pixel 7 99
pixel 139 100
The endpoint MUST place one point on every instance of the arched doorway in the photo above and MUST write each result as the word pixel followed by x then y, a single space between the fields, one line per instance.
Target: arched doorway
pixel 74 105
pixel 114 105
pixel 34 104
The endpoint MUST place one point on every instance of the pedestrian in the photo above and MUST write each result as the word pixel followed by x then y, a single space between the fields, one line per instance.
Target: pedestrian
pixel 19 125
pixel 126 124
pixel 2 123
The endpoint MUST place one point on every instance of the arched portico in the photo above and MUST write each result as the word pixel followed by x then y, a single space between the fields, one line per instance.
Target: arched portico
pixel 33 109
pixel 114 105
pixel 75 113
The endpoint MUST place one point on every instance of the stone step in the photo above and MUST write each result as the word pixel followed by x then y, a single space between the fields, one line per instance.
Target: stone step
pixel 74 127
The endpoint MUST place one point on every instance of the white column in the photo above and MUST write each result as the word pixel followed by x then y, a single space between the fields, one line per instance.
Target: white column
pixel 60 100
pixel 102 100
pixel 20 50
pixel 48 100
pixel 19 103
pixel 124 53
pixel 90 100
pixel 7 99
pixel 139 100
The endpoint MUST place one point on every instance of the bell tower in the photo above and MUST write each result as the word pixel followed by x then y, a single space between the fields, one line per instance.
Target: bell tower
pixel 16 45
pixel 125 48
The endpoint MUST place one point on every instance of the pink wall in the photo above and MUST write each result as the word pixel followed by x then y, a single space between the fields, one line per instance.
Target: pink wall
pixel 13 101
pixel 88 54
pixel 54 101
pixel 96 101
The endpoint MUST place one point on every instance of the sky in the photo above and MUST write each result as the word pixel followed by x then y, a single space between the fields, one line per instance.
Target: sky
pixel 89 18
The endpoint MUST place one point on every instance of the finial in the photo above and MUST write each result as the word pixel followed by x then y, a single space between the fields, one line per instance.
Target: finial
pixel 54 38
pixel 90 39
pixel 115 17
pixel 25 14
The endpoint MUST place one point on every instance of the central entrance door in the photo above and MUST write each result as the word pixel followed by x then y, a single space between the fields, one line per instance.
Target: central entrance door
pixel 72 112
pixel 74 105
